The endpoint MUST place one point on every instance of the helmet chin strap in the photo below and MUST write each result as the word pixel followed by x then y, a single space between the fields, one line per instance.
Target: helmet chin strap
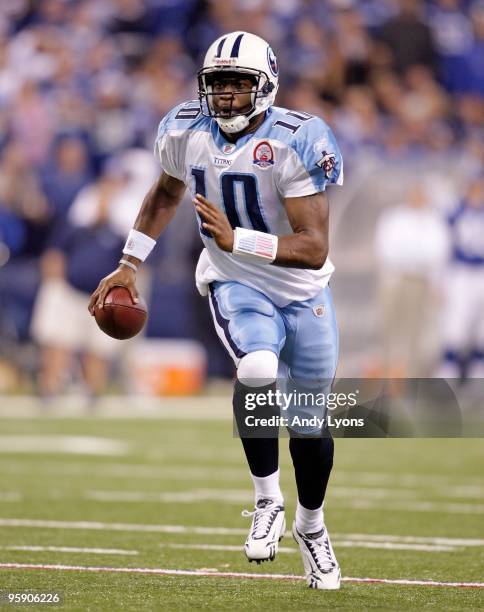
pixel 232 125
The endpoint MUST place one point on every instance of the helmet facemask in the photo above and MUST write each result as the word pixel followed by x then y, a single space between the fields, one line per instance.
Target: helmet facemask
pixel 228 120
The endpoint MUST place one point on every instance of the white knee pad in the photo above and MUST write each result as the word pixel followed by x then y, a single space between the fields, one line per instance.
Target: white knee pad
pixel 258 368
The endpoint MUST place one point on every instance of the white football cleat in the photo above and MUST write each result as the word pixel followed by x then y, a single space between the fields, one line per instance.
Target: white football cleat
pixel 267 529
pixel 320 565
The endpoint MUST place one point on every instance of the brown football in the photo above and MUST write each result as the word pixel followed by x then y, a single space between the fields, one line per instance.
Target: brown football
pixel 121 318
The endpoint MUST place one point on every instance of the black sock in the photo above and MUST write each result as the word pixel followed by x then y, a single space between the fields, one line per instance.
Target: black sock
pixel 262 455
pixel 261 445
pixel 312 459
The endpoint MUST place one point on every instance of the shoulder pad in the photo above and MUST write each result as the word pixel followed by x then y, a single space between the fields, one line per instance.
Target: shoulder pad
pixel 185 116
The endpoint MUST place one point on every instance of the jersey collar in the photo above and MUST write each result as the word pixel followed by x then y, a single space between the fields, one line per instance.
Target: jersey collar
pixel 221 141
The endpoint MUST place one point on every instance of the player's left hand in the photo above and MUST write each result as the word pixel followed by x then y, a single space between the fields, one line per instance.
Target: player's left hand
pixel 216 222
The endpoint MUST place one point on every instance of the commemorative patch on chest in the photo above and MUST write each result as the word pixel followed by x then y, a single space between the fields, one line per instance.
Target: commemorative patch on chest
pixel 263 155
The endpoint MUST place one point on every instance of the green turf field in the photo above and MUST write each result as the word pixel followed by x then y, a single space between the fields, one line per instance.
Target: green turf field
pixel 155 492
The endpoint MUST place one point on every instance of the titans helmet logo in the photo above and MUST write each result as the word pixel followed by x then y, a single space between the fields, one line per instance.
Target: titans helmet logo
pixel 272 61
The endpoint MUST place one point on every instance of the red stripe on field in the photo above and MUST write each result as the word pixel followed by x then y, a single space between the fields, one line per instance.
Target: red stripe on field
pixel 175 572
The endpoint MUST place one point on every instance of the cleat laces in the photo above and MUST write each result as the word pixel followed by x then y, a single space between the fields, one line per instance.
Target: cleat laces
pixel 264 516
pixel 320 551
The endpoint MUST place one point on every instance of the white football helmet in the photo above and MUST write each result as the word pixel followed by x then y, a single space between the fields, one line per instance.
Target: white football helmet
pixel 244 53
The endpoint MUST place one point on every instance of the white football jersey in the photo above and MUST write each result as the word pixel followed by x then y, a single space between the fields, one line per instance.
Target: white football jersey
pixel 291 154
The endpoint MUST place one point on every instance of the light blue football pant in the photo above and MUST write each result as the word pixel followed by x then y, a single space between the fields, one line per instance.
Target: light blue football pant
pixel 303 335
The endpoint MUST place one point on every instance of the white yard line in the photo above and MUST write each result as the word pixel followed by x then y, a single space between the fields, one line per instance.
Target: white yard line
pixel 126 470
pixel 228 531
pixel 221 547
pixel 70 549
pixel 438 507
pixel 208 408
pixel 10 496
pixel 424 480
pixel 467 486
pixel 157 473
pixel 127 527
pixel 72 445
pixel 336 543
pixel 394 546
pixel 173 497
pixel 216 574
pixel 358 500
pixel 450 492
pixel 376 537
pixel 348 492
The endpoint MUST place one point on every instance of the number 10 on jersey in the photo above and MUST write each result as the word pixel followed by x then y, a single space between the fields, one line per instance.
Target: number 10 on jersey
pixel 228 188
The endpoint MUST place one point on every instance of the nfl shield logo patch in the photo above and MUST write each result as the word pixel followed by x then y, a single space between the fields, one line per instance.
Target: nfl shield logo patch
pixel 318 310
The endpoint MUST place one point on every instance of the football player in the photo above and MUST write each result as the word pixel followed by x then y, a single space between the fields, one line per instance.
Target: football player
pixel 463 323
pixel 257 174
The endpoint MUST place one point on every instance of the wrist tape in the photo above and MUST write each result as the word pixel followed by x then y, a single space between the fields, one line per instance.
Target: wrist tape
pixel 138 245
pixel 254 246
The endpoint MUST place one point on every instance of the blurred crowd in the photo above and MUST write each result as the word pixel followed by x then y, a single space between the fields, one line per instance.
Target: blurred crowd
pixel 84 83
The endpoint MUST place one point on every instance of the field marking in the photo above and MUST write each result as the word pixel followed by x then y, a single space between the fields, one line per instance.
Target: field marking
pixel 134 527
pixel 378 493
pixel 216 574
pixel 337 491
pixel 233 496
pixel 139 407
pixel 221 547
pixel 394 546
pixel 405 479
pixel 71 549
pixel 468 486
pixel 372 502
pixel 376 537
pixel 412 506
pixel 126 470
pixel 364 489
pixel 229 531
pixel 191 496
pixel 69 445
pixel 336 543
pixel 448 492
pixel 10 496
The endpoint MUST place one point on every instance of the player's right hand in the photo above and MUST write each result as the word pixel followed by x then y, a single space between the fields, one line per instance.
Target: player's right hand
pixel 121 277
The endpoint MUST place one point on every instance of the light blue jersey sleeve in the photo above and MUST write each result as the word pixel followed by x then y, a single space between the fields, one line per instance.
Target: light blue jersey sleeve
pixel 171 140
pixel 314 160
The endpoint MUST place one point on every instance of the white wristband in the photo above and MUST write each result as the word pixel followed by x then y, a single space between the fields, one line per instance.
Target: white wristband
pixel 138 245
pixel 254 246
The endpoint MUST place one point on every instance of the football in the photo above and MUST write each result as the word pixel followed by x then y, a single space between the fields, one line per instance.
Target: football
pixel 121 318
